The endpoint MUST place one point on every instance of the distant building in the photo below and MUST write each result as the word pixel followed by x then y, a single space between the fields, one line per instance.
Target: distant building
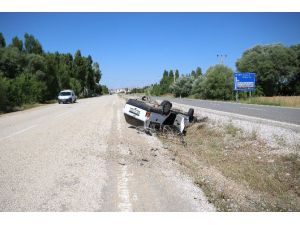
pixel 121 90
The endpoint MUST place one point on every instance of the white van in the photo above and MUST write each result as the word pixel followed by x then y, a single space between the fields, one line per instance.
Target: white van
pixel 67 96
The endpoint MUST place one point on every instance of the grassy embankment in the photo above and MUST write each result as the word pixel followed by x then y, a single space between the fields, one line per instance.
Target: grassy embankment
pixel 28 106
pixel 237 171
pixel 288 101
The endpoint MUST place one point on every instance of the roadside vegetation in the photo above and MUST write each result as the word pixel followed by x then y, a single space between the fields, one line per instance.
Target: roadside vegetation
pixel 288 101
pixel 277 69
pixel 29 75
pixel 238 171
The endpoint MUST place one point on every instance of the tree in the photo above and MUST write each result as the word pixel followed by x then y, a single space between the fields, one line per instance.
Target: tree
pixel 98 89
pixel 4 84
pixel 171 77
pixel 97 72
pixel 75 85
pixel 140 90
pixel 63 76
pixel 218 83
pixel 176 74
pixel 51 79
pixel 193 73
pixel 275 67
pixel 16 42
pixel 89 76
pixel 198 86
pixel 29 75
pixel 105 90
pixel 155 90
pixel 79 68
pixel 36 65
pixel 32 45
pixel 295 81
pixel 164 83
pixel 198 72
pixel 12 62
pixel 183 86
pixel 163 86
pixel 2 41
pixel 26 89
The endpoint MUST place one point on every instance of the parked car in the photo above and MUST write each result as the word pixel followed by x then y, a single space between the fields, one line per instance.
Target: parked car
pixel 67 96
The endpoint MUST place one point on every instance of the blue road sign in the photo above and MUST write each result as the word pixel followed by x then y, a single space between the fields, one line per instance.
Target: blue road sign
pixel 244 81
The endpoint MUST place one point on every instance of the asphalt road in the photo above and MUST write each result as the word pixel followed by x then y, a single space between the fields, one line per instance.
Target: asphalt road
pixel 281 114
pixel 84 157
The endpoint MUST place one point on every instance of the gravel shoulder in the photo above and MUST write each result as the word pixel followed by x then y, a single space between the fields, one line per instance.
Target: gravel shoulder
pixel 282 138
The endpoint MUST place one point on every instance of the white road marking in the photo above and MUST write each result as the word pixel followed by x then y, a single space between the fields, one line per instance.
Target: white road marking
pixel 135 197
pixel 124 204
pixel 123 191
pixel 119 123
pixel 252 108
pixel 18 132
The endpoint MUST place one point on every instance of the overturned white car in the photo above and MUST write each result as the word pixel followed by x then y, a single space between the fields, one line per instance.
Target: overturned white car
pixel 157 117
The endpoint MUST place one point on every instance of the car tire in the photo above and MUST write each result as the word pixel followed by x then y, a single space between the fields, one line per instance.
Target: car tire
pixel 166 107
pixel 191 114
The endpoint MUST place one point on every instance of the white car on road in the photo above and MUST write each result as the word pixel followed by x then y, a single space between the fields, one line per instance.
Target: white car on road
pixel 67 96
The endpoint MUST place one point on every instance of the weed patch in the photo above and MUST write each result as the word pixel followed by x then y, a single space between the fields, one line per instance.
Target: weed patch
pixel 236 170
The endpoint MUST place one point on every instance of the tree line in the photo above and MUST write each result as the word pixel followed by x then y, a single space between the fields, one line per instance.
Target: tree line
pixel 28 74
pixel 277 69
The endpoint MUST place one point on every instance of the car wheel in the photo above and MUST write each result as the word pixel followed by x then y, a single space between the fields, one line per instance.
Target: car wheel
pixel 191 114
pixel 166 106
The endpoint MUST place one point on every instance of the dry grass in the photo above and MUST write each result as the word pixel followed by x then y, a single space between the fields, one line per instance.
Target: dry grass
pixel 237 171
pixel 28 106
pixel 25 107
pixel 289 101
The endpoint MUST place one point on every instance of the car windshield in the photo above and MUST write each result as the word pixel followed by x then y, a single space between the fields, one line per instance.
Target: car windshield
pixel 65 93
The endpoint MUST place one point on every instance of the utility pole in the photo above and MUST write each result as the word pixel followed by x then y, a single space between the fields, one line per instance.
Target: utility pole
pixel 222 57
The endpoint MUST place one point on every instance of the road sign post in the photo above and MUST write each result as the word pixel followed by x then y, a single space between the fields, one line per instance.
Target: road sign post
pixel 244 82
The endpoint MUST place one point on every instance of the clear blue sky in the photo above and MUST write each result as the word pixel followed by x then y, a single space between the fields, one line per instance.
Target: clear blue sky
pixel 133 49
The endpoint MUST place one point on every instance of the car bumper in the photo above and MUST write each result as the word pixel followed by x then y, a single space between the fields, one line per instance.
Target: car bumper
pixel 133 121
pixel 64 100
